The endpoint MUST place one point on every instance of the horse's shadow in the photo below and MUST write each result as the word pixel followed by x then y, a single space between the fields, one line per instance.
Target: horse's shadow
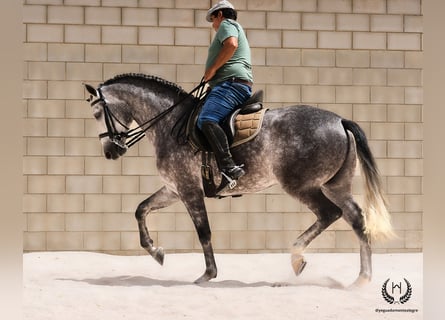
pixel 133 281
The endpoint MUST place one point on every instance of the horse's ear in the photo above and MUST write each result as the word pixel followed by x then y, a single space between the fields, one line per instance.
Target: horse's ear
pixel 91 89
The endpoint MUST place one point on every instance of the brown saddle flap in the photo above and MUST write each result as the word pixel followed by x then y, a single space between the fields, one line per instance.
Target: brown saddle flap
pixel 247 126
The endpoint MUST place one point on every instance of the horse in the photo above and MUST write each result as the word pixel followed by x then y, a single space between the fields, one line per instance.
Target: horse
pixel 310 152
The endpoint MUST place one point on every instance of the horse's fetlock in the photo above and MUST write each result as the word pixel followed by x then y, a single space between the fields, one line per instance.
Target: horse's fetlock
pixel 297 248
pixel 146 244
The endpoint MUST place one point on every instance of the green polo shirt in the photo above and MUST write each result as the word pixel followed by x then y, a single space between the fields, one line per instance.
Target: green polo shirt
pixel 239 65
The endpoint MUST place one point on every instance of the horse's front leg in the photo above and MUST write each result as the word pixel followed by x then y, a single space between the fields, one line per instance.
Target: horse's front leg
pixel 194 202
pixel 160 199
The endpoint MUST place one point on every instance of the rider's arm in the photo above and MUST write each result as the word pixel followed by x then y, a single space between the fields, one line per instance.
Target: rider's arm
pixel 228 49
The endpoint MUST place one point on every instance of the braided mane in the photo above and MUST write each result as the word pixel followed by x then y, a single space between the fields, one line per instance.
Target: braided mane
pixel 140 77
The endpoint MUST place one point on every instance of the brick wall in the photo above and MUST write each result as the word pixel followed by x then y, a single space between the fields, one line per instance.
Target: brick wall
pixel 359 58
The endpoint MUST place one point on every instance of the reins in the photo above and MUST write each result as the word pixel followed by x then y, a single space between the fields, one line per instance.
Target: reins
pixel 136 134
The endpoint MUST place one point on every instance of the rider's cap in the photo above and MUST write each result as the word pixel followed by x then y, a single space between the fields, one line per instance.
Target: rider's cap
pixel 220 5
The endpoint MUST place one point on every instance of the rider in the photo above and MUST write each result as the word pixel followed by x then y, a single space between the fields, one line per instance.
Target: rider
pixel 229 75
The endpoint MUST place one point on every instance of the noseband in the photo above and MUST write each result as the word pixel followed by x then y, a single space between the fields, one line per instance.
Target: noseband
pixel 135 134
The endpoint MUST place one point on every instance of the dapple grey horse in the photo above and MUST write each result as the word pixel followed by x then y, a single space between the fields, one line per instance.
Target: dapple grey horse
pixel 311 153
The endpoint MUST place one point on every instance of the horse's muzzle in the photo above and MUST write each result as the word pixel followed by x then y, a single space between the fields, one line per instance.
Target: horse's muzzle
pixel 112 150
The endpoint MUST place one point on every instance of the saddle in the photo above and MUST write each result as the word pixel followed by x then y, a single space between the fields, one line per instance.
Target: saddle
pixel 242 125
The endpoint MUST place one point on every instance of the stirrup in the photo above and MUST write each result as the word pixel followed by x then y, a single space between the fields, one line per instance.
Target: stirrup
pixel 228 181
pixel 231 183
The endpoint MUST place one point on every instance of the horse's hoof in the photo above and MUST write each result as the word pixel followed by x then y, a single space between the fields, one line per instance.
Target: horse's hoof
pixel 207 276
pixel 158 255
pixel 298 264
pixel 202 279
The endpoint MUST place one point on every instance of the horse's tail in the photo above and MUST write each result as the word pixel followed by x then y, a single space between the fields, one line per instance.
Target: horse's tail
pixel 377 218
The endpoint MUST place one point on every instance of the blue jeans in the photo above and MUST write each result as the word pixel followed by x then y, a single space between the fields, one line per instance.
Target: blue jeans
pixel 222 100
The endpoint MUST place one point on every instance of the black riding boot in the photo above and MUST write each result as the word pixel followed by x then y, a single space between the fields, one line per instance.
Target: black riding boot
pixel 218 141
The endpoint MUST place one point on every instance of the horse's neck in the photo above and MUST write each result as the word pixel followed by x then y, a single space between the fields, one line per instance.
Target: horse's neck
pixel 144 103
pixel 150 110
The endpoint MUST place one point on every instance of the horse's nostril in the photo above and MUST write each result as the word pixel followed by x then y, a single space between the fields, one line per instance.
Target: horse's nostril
pixel 108 155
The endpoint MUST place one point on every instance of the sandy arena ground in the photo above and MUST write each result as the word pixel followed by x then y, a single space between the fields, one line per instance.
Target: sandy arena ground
pixel 88 286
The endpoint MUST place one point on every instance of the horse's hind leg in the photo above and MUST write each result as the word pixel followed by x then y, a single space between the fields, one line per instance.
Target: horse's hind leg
pixel 160 199
pixel 326 212
pixel 338 190
pixel 354 217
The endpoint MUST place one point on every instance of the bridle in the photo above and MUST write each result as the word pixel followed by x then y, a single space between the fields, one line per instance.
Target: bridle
pixel 118 138
pixel 135 134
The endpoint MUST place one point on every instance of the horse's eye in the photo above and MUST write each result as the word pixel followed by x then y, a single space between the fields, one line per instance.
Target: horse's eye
pixel 97 114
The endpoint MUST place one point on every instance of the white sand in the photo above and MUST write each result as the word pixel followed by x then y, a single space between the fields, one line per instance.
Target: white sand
pixel 81 285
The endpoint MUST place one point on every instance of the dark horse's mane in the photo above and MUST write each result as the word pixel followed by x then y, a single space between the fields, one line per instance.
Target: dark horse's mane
pixel 143 78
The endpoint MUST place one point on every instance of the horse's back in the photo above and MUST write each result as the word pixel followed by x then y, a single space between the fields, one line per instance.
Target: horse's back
pixel 298 125
pixel 303 116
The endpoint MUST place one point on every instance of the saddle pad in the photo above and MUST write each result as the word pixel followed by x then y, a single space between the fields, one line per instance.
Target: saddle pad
pixel 247 126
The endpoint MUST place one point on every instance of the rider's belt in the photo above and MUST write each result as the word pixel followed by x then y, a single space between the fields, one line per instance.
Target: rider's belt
pixel 239 80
